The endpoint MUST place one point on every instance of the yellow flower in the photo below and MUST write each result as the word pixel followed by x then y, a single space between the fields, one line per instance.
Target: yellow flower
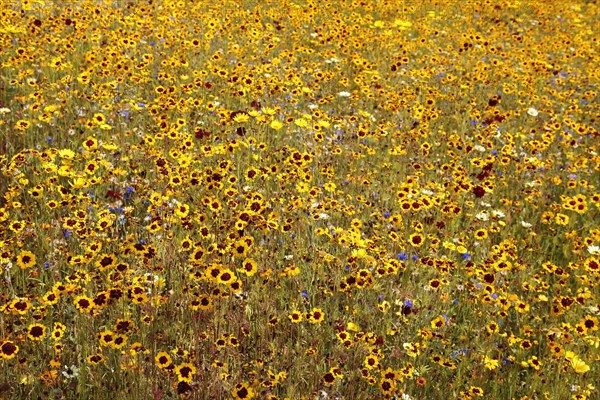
pixel 66 154
pixel 449 245
pixel 295 316
pixel 268 111
pixel 315 316
pixel 579 365
pixel 490 363
pixel 109 146
pixel 277 125
pixel 302 123
pixel 22 125
pixel 163 359
pixel 26 259
pixel 323 123
pixel 561 219
pixel 241 118
pixel 79 182
pixel 402 24
pixel 8 350
pixel 359 253
pixel 353 327
pixel 330 186
pixel 185 372
pixel 99 119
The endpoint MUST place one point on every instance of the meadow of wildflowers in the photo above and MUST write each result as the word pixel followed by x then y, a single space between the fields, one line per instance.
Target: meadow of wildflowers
pixel 299 199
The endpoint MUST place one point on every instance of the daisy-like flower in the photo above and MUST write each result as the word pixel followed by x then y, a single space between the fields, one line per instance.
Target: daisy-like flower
pixel 70 372
pixel 163 359
pixel 83 303
pixel 201 303
pixel 185 372
pixel 595 250
pixel 8 349
pixel 295 316
pixel 416 240
pixel 249 267
pixel 36 332
pixel 276 125
pixel 578 365
pixel 482 216
pixel 315 316
pixel 242 391
pixel 476 391
pixel 328 379
pixel 26 259
pixel 498 214
pixel 490 363
pixel 106 338
pixel 95 359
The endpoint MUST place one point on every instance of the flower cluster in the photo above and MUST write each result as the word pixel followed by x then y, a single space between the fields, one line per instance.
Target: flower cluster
pixel 299 199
